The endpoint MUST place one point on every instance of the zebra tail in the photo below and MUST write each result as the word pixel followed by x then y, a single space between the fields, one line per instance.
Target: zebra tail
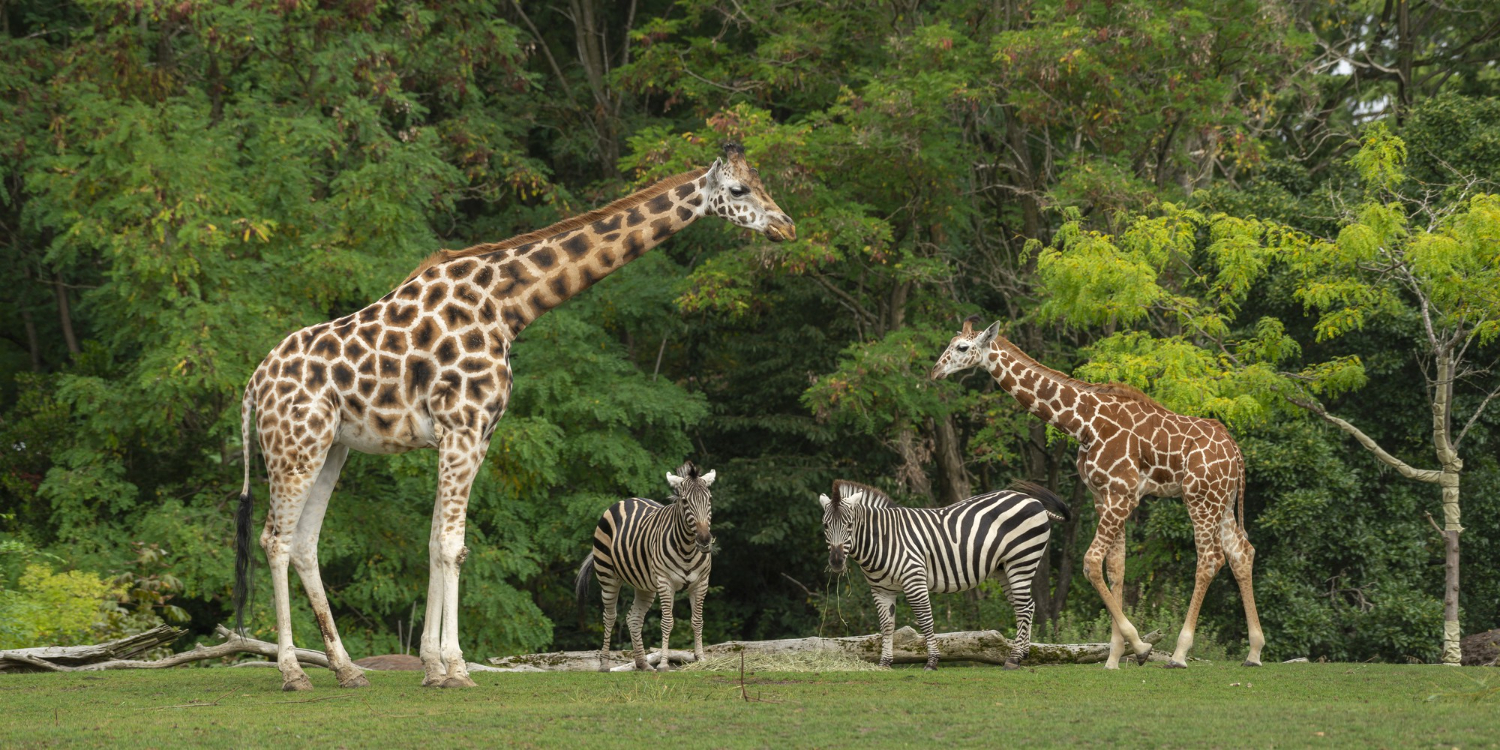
pixel 581 583
pixel 1057 510
pixel 243 517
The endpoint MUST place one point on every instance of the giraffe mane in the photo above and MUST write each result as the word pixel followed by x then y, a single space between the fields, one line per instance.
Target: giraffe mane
pixel 1117 390
pixel 879 499
pixel 566 225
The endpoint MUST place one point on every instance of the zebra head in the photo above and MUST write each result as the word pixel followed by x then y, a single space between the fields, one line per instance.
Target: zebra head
pixel 839 515
pixel 966 349
pixel 690 492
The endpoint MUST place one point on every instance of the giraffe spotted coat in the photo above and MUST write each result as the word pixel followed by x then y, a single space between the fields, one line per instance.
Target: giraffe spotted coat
pixel 428 366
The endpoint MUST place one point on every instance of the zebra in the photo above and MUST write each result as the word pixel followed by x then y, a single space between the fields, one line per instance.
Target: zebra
pixel 919 550
pixel 658 550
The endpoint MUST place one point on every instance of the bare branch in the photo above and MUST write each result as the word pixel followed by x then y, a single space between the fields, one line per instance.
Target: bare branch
pixel 1406 470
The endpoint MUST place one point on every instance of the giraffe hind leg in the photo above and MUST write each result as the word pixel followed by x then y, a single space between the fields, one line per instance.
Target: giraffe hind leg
pixel 1210 559
pixel 305 560
pixel 291 479
pixel 1242 562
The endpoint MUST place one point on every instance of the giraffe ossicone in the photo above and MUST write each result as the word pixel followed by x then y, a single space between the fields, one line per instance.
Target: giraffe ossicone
pixel 427 366
pixel 1131 446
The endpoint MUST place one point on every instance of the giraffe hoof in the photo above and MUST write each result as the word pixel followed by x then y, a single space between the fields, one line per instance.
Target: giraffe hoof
pixel 357 681
pixel 1174 665
pixel 1144 656
pixel 434 680
pixel 458 681
pixel 297 685
pixel 1249 663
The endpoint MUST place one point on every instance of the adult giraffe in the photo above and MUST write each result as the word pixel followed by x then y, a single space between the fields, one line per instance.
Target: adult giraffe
pixel 1131 446
pixel 427 366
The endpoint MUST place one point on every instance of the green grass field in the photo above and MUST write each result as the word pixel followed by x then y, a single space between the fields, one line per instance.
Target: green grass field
pixel 1208 705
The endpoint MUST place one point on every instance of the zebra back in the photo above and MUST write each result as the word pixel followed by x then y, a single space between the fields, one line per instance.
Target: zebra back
pixel 1057 510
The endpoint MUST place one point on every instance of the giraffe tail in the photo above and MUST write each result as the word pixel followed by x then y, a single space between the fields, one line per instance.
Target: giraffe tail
pixel 581 583
pixel 1241 514
pixel 243 516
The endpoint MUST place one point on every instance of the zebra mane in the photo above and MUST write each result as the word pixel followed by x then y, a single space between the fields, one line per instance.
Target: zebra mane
pixel 844 489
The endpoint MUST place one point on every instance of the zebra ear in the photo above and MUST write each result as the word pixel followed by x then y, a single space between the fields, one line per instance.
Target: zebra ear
pixel 823 499
pixel 708 479
pixel 674 480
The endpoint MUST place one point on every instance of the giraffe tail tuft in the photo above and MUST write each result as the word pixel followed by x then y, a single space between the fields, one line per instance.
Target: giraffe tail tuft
pixel 581 583
pixel 1057 510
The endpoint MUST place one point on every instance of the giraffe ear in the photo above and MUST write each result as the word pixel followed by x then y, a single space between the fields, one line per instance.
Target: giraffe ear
pixel 714 170
pixel 674 480
pixel 708 479
pixel 988 334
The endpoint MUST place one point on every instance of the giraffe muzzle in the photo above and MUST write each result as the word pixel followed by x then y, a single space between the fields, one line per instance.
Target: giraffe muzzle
pixel 781 232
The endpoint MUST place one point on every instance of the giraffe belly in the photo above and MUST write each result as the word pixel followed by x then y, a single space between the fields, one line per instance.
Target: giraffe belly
pixel 407 434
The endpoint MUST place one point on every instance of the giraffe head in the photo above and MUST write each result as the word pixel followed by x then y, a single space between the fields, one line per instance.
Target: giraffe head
pixel 734 192
pixel 690 490
pixel 839 515
pixel 966 349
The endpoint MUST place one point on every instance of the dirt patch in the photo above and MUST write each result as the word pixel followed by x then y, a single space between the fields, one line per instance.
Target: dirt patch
pixel 391 663
pixel 1481 649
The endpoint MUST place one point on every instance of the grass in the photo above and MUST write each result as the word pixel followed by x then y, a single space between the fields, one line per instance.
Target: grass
pixel 1208 705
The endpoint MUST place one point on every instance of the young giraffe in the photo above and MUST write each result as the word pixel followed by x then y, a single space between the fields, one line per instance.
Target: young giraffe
pixel 1130 446
pixel 427 366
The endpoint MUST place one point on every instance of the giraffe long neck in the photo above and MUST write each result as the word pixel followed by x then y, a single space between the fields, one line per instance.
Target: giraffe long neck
pixel 1042 390
pixel 520 283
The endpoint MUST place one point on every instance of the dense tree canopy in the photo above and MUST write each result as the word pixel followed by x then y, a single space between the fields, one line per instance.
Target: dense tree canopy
pixel 1202 198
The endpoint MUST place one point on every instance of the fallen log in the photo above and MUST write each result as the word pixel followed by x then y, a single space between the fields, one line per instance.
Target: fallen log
pixel 111 655
pixel 50 658
pixel 985 646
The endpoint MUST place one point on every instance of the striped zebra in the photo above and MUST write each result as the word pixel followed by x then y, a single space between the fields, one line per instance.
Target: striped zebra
pixel 657 549
pixel 918 550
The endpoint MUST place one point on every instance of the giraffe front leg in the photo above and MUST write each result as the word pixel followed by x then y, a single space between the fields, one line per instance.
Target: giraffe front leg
pixel 1111 527
pixel 636 620
pixel 921 606
pixel 885 610
pixel 461 451
pixel 664 590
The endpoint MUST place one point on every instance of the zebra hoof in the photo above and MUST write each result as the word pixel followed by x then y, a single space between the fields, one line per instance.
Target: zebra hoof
pixel 357 681
pixel 664 666
pixel 1012 664
pixel 459 681
pixel 1249 663
pixel 931 666
pixel 1174 665
pixel 885 663
pixel 642 666
pixel 297 684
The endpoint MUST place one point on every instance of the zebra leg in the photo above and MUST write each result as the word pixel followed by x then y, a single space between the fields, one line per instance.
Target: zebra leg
pixel 700 590
pixel 610 593
pixel 664 589
pixel 637 620
pixel 885 609
pixel 921 606
pixel 1020 599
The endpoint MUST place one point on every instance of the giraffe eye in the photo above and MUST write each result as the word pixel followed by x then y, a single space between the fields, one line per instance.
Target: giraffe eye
pixel 963 347
pixel 739 191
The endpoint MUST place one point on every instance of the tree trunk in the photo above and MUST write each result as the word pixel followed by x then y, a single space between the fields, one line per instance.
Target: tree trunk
pixel 954 478
pixel 64 316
